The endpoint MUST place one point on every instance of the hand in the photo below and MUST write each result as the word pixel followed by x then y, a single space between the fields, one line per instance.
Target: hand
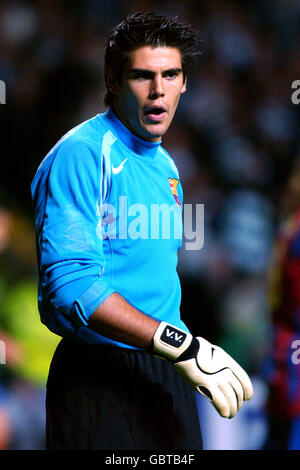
pixel 208 368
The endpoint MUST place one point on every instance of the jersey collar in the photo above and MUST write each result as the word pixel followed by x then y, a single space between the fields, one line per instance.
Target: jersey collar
pixel 137 145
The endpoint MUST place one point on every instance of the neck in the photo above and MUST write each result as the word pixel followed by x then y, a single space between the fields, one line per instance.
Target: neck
pixel 124 121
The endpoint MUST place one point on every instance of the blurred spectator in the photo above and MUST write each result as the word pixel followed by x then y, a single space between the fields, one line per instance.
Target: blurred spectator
pixel 234 140
pixel 29 346
pixel 283 371
pixel 246 230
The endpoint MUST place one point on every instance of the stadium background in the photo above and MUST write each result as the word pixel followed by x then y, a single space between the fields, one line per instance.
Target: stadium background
pixel 234 139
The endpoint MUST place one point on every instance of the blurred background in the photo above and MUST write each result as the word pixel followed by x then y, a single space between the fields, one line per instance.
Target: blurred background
pixel 235 140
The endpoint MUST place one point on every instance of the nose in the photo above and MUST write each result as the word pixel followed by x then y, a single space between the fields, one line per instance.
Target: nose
pixel 157 89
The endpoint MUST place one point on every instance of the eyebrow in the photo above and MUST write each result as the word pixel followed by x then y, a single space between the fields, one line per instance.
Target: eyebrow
pixel 150 74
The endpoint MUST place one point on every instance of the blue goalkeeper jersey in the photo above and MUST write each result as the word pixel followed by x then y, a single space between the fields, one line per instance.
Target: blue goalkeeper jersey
pixel 108 214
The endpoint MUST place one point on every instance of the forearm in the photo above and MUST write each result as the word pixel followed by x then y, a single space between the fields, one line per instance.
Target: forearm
pixel 115 318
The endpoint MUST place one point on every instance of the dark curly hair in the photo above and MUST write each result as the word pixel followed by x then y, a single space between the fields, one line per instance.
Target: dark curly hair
pixel 147 29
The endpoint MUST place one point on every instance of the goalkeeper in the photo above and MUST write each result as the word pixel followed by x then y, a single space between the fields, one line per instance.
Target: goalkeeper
pixel 125 372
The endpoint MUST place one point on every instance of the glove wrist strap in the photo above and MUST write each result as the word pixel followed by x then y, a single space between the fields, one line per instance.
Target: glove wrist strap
pixel 170 342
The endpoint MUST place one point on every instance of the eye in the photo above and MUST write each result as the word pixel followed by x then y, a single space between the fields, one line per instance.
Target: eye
pixel 171 74
pixel 141 76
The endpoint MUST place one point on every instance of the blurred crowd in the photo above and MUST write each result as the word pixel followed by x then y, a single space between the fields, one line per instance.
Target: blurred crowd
pixel 234 139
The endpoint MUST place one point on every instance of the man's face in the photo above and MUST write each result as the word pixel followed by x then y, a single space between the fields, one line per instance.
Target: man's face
pixel 148 95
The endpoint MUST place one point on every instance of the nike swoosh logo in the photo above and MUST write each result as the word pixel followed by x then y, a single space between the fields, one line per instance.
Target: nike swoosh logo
pixel 119 168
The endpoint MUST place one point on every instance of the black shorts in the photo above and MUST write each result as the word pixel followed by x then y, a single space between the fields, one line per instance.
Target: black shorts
pixel 108 398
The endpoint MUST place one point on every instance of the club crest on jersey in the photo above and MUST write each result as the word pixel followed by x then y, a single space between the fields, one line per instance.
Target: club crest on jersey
pixel 173 184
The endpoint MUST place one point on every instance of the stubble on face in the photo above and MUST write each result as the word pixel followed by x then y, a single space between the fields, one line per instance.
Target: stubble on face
pixel 149 92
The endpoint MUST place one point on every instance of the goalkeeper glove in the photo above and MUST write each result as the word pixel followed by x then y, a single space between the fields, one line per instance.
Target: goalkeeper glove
pixel 208 368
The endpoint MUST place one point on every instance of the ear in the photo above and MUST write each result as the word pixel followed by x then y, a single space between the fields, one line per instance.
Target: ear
pixel 183 88
pixel 111 82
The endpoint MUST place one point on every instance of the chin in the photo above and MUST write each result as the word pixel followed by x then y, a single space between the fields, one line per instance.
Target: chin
pixel 156 131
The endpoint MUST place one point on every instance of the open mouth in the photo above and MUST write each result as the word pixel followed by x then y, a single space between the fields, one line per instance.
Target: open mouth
pixel 155 113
